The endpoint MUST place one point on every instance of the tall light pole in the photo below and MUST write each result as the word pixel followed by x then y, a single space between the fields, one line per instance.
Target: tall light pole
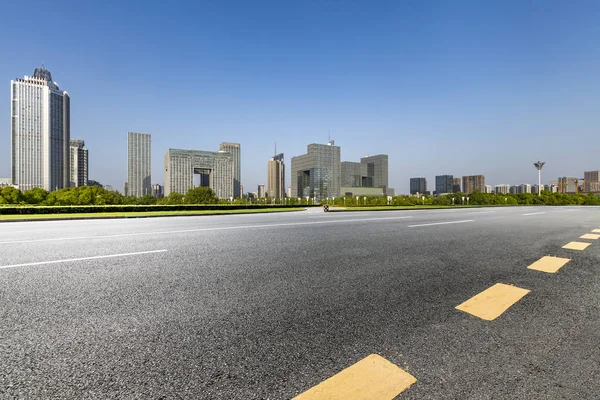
pixel 539 166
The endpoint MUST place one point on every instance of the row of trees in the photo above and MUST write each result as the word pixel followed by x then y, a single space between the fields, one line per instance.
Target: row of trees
pixel 96 195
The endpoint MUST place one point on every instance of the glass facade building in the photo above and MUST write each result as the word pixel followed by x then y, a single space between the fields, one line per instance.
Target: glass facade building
pixel 79 163
pixel 444 184
pixel 186 169
pixel 317 174
pixel 235 150
pixel 418 185
pixel 276 178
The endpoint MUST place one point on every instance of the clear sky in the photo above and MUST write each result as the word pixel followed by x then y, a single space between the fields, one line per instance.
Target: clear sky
pixel 442 87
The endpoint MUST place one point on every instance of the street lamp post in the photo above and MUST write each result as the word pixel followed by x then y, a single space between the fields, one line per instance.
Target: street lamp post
pixel 539 166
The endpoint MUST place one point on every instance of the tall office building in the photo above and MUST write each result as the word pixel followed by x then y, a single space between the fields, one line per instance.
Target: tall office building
pixel 318 173
pixel 235 150
pixel 186 169
pixel 418 185
pixel 444 184
pixel 158 191
pixel 377 170
pixel 78 164
pixel 40 132
pixel 261 191
pixel 473 183
pixel 456 187
pixel 276 178
pixel 139 164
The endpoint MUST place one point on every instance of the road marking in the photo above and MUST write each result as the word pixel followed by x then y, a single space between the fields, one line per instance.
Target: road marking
pixel 576 246
pixel 83 259
pixel 549 264
pixel 493 301
pixel 482 212
pixel 373 377
pixel 590 236
pixel 596 231
pixel 536 213
pixel 442 223
pixel 203 230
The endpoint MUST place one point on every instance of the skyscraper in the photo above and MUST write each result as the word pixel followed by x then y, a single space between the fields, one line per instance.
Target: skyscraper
pixel 276 178
pixel 456 188
pixel 186 169
pixel 418 185
pixel 40 132
pixel 261 191
pixel 79 163
pixel 235 150
pixel 318 172
pixel 472 183
pixel 138 164
pixel 591 179
pixel 444 184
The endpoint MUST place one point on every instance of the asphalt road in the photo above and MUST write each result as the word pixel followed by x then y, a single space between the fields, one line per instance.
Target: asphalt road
pixel 268 306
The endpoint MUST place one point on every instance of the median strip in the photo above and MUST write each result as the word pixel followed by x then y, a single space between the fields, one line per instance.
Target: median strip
pixel 591 236
pixel 372 378
pixel 549 264
pixel 576 246
pixel 493 302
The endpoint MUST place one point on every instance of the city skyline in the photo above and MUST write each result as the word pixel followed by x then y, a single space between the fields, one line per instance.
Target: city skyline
pixel 377 88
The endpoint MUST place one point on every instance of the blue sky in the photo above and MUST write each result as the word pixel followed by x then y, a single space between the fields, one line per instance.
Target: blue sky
pixel 442 87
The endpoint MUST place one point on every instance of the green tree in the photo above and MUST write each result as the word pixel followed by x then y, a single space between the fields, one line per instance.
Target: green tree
pixel 172 198
pixel 201 195
pixel 11 195
pixel 146 200
pixel 35 196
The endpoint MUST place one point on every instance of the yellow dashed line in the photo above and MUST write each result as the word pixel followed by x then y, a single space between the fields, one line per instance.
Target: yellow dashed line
pixel 576 246
pixel 590 236
pixel 549 264
pixel 492 302
pixel 372 378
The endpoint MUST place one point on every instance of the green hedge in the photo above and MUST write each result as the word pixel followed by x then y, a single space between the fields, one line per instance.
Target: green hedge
pixel 6 210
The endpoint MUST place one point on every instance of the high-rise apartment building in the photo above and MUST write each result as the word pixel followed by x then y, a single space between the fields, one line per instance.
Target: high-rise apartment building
pixel 473 183
pixel 40 132
pixel 79 163
pixel 592 182
pixel 318 173
pixel 186 169
pixel 139 164
pixel 276 177
pixel 502 189
pixel 567 185
pixel 261 192
pixel 456 187
pixel 235 150
pixel 444 184
pixel 488 189
pixel 418 185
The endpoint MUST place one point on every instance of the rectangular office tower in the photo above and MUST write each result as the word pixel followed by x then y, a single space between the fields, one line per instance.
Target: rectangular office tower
pixel 418 185
pixel 186 169
pixel 40 132
pixel 444 184
pixel 139 164
pixel 276 178
pixel 79 163
pixel 318 172
pixel 235 150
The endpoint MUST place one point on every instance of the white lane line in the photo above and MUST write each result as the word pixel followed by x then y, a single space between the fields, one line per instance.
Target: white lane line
pixel 482 212
pixel 201 230
pixel 442 223
pixel 535 213
pixel 83 259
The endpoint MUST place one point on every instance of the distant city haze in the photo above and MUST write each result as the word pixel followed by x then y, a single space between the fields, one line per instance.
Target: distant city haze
pixel 442 88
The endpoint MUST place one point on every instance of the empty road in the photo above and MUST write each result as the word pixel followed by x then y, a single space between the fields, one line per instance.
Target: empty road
pixel 269 306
